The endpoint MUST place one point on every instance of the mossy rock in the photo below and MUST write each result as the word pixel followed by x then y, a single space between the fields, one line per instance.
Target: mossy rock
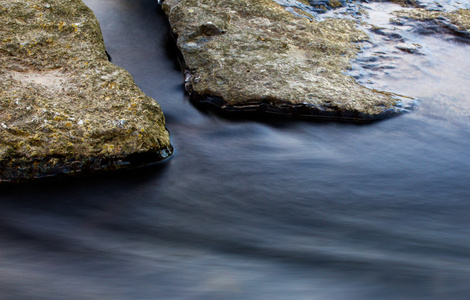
pixel 64 108
pixel 257 57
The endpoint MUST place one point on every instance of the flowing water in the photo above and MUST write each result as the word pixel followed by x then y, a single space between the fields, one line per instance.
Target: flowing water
pixel 259 209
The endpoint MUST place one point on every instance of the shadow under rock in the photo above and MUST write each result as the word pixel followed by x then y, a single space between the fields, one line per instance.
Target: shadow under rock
pixel 71 184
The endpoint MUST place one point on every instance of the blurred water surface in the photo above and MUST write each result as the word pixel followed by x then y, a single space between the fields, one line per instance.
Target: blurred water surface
pixel 257 209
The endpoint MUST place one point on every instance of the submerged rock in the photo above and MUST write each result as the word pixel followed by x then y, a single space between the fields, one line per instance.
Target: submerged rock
pixel 64 108
pixel 253 55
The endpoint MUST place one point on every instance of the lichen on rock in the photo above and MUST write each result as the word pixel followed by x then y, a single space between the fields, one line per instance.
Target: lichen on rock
pixel 268 60
pixel 64 108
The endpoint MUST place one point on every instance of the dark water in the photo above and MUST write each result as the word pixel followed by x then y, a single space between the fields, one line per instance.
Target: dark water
pixel 257 209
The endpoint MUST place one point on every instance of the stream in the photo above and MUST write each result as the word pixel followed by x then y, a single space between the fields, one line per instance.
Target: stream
pixel 259 208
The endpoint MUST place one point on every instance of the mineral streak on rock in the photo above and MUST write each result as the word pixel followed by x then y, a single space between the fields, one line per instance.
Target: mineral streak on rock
pixel 64 108
pixel 265 59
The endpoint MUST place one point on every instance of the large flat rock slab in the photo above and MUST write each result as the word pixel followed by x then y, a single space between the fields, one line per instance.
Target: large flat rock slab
pixel 64 108
pixel 254 56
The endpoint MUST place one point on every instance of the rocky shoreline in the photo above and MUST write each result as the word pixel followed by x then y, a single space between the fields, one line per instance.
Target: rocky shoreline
pixel 64 108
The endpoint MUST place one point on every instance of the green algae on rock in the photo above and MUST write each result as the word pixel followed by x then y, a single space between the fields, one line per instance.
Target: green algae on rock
pixel 258 57
pixel 64 108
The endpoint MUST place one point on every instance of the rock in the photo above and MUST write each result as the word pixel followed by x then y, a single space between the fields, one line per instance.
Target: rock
pixel 64 108
pixel 406 47
pixel 456 21
pixel 265 59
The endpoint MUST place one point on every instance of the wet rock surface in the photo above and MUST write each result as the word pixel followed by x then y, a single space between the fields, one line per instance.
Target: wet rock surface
pixel 300 58
pixel 402 33
pixel 64 107
pixel 254 56
pixel 454 22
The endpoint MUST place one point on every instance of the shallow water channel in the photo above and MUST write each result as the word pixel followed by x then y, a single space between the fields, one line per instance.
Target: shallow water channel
pixel 259 209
